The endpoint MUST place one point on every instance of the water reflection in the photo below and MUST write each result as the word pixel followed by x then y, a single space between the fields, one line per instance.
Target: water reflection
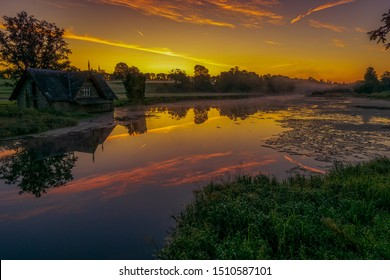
pixel 42 163
pixel 123 182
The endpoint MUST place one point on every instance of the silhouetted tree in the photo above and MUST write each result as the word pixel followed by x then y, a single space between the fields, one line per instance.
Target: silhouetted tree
pixel 182 80
pixel 370 83
pixel 31 43
pixel 134 82
pixel 380 34
pixel 239 80
pixel 385 80
pixel 202 79
pixel 120 71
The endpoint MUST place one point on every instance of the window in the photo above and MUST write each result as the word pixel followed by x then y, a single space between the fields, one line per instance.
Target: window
pixel 86 91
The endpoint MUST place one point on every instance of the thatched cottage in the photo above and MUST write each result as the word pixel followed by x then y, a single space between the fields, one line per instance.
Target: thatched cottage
pixel 63 91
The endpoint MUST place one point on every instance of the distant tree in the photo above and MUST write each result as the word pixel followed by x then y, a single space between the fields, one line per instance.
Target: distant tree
pixel 134 82
pixel 120 71
pixel 239 80
pixel 380 34
pixel 182 80
pixel 31 43
pixel 161 77
pixel 385 80
pixel 371 82
pixel 202 79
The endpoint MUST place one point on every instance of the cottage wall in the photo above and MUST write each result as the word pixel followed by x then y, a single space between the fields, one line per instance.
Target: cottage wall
pixel 26 98
pixel 65 106
pixel 93 92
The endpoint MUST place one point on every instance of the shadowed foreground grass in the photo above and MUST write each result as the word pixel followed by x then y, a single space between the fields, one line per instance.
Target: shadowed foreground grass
pixel 14 122
pixel 342 215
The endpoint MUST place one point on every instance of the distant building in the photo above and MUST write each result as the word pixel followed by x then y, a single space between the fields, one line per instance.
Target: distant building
pixel 63 91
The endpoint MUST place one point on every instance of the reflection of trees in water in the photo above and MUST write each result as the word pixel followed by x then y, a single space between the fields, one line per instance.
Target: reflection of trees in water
pixel 201 114
pixel 238 112
pixel 42 163
pixel 178 112
pixel 33 174
pixel 137 127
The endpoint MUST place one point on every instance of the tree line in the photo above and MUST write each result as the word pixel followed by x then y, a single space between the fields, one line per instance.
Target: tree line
pixel 372 83
pixel 31 43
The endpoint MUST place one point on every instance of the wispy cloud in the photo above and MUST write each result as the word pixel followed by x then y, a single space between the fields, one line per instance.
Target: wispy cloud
pixel 224 13
pixel 283 65
pixel 321 7
pixel 338 43
pixel 163 51
pixel 272 43
pixel 328 26
pixel 360 30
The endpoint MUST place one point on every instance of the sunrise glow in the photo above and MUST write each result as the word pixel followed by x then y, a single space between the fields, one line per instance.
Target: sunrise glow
pixel 323 39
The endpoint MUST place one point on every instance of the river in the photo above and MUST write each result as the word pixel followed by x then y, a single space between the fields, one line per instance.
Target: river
pixel 108 192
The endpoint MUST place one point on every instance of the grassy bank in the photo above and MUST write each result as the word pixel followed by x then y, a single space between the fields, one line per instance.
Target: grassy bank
pixel 342 215
pixel 14 122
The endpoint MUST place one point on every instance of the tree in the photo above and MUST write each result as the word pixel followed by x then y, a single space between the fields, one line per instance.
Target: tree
pixel 120 71
pixel 380 34
pixel 385 80
pixel 182 81
pixel 202 79
pixel 31 43
pixel 370 83
pixel 134 82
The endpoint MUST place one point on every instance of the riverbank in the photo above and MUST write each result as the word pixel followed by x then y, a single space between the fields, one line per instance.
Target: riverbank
pixel 341 215
pixel 15 123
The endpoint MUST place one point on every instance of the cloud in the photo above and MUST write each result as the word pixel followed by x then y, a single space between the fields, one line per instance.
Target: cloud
pixel 338 43
pixel 320 8
pixel 283 65
pixel 223 13
pixel 328 26
pixel 272 43
pixel 360 30
pixel 162 51
pixel 312 169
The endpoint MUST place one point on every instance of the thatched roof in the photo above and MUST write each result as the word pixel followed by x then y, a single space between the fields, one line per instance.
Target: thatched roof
pixel 63 86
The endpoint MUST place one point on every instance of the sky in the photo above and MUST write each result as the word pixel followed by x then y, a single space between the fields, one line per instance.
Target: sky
pixel 323 39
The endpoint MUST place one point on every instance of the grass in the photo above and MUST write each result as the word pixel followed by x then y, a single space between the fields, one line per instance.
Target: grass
pixel 14 122
pixel 380 95
pixel 342 215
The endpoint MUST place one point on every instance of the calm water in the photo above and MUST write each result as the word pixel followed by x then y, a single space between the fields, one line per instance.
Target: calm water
pixel 108 193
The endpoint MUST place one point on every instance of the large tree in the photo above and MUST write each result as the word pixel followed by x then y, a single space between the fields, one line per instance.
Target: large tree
pixel 380 34
pixel 202 79
pixel 31 43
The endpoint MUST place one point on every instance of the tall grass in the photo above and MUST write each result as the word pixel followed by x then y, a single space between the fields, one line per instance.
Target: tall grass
pixel 15 122
pixel 342 215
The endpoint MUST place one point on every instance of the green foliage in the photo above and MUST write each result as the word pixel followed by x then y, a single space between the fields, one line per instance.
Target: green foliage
pixel 371 82
pixel 16 122
pixel 31 43
pixel 182 80
pixel 134 83
pixel 342 215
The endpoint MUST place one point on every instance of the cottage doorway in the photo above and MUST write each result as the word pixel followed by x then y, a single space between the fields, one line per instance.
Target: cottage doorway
pixel 34 95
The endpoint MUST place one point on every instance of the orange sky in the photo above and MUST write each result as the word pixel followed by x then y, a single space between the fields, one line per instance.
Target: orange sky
pixel 325 39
